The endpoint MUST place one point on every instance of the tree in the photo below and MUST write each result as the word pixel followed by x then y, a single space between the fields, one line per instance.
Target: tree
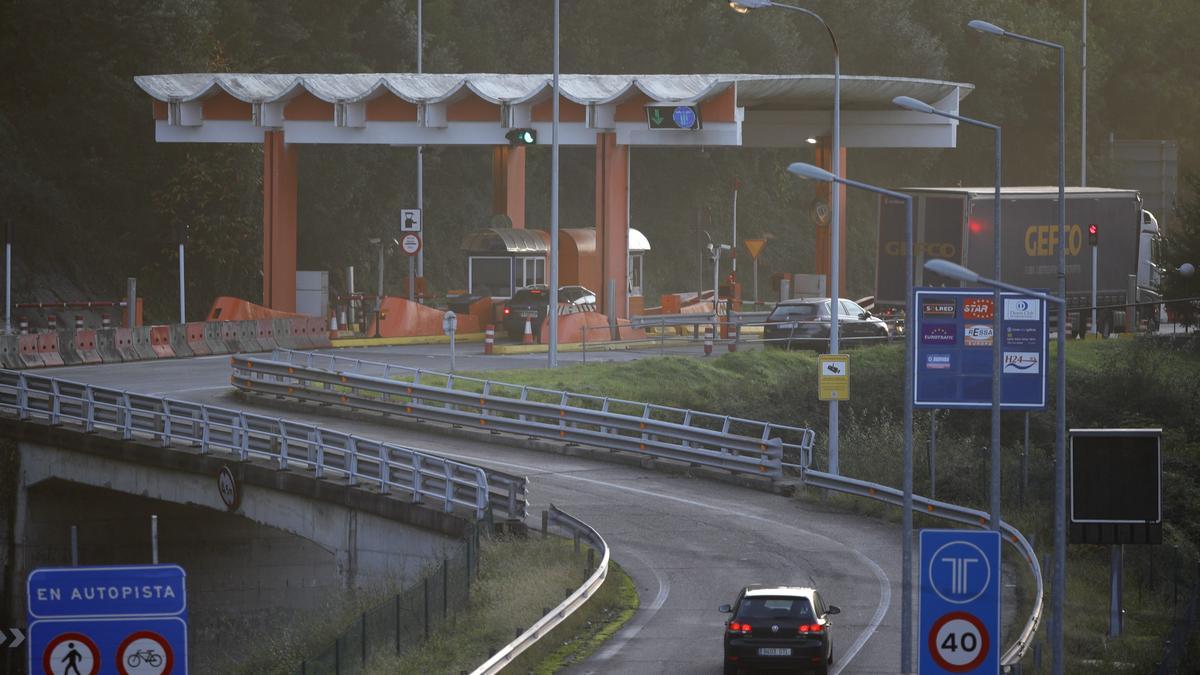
pixel 1182 246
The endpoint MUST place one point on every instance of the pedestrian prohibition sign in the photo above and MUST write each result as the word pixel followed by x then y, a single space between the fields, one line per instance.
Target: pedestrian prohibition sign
pixel 960 602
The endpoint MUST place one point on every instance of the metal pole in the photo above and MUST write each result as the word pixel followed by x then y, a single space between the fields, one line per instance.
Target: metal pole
pixel 1025 463
pixel 1095 257
pixel 835 253
pixel 553 311
pixel 131 299
pixel 74 546
pixel 412 278
pixel 1060 422
pixel 452 351
pixel 154 539
pixel 733 244
pixel 379 293
pixel 756 283
pixel 906 605
pixel 716 287
pixel 1114 595
pixel 350 292
pixel 997 369
pixel 182 303
pixel 420 271
pixel 1083 110
pixel 933 454
pixel 8 232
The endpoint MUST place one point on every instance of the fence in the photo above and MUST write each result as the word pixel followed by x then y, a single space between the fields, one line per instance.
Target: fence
pixel 402 621
pixel 387 467
pixel 573 418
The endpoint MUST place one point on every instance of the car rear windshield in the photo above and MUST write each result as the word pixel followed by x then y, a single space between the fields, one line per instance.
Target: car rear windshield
pixel 769 607
pixel 530 295
pixel 792 312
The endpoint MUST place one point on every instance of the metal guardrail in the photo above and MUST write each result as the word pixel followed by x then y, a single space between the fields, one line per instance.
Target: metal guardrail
pixel 795 441
pixel 390 468
pixel 959 514
pixel 567 607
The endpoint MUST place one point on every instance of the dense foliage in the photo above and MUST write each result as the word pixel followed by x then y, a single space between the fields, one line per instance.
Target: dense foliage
pixel 86 186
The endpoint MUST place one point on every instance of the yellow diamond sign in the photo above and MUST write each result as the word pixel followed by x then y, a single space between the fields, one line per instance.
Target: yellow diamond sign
pixel 833 377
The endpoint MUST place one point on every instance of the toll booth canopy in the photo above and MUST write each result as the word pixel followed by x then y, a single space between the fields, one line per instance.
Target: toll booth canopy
pixel 501 260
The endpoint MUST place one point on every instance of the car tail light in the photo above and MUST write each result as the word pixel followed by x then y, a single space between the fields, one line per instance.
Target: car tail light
pixel 807 628
pixel 739 628
pixel 507 311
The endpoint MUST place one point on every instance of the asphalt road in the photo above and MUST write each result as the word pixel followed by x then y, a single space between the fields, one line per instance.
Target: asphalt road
pixel 689 543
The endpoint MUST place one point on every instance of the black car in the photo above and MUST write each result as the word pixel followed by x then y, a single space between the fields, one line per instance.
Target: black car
pixel 780 628
pixel 532 302
pixel 803 323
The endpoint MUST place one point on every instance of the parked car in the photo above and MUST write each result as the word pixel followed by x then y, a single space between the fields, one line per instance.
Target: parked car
pixel 803 323
pixel 533 302
pixel 779 628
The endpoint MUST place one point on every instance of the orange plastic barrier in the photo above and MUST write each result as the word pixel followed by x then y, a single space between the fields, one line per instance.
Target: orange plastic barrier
pixel 47 344
pixel 402 318
pixel 195 338
pixel 160 342
pixel 85 345
pixel 226 308
pixel 30 356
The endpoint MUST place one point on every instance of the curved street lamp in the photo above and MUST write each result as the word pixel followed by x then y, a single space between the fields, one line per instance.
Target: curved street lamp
pixel 835 246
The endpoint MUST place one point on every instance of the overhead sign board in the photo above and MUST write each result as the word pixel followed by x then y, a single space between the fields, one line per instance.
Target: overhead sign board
pixel 960 602
pixel 833 377
pixel 953 341
pixel 410 220
pixel 1116 486
pixel 686 117
pixel 110 619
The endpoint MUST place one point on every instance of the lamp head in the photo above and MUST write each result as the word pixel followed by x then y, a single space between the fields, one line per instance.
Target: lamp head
pixel 910 103
pixel 952 270
pixel 985 27
pixel 810 172
pixel 744 6
pixel 1187 269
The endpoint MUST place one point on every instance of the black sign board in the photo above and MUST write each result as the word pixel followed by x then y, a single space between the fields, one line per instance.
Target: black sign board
pixel 1116 486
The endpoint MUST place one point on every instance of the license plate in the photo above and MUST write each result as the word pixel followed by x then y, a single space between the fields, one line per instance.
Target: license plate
pixel 528 315
pixel 774 651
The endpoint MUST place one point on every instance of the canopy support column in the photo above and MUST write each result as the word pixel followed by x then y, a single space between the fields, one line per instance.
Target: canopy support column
pixel 508 183
pixel 612 223
pixel 821 247
pixel 279 222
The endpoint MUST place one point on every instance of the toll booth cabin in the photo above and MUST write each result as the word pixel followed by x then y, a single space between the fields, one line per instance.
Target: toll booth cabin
pixel 502 260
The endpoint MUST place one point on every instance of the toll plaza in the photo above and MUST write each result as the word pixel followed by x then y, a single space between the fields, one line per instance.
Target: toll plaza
pixel 508 112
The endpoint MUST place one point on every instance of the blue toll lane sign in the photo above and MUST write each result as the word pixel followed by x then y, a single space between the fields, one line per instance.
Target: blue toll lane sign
pixel 953 340
pixel 960 602
pixel 130 620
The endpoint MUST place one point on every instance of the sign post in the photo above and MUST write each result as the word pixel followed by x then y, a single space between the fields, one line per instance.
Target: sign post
pixel 960 602
pixel 410 230
pixel 755 247
pixel 111 619
pixel 449 327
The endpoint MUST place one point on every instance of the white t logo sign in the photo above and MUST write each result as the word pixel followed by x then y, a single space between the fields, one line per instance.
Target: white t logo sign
pixel 958 573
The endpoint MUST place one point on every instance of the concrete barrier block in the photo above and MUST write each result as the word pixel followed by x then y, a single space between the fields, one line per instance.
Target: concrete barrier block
pixel 142 344
pixel 248 336
pixel 318 334
pixel 282 329
pixel 231 336
pixel 179 342
pixel 48 349
pixel 195 338
pixel 213 338
pixel 10 352
pixel 125 346
pixel 160 342
pixel 27 350
pixel 86 346
pixel 66 348
pixel 266 334
pixel 106 345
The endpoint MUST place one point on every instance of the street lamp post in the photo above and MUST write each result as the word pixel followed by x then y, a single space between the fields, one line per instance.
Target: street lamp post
pixel 906 610
pixel 913 104
pixel 552 351
pixel 742 7
pixel 1058 586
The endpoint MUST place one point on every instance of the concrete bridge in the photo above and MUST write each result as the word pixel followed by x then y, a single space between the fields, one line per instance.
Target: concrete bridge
pixel 294 549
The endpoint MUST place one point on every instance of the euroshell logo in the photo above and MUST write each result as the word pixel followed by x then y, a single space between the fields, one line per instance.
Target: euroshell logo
pixel 937 361
pixel 1022 309
pixel 939 334
pixel 978 308
pixel 1027 363
pixel 977 335
pixel 941 308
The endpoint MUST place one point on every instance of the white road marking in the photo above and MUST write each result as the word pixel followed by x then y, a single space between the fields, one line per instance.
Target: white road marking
pixel 631 630
pixel 193 389
pixel 885 588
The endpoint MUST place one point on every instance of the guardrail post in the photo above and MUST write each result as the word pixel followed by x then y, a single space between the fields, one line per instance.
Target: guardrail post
pixel 385 469
pixel 55 404
pixel 166 430
pixel 204 430
pixel 316 453
pixel 243 437
pixel 127 417
pixel 351 460
pixel 283 445
pixel 417 482
pixel 89 409
pixel 448 469
pixel 22 396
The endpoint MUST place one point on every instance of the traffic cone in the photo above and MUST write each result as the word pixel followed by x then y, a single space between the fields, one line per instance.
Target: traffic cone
pixel 527 338
pixel 489 339
pixel 708 340
pixel 333 326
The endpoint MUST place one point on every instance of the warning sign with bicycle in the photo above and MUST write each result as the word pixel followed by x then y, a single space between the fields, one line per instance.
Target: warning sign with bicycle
pixel 130 620
pixel 960 602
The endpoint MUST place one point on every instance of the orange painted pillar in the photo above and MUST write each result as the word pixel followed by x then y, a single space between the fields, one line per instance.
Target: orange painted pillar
pixel 279 222
pixel 821 247
pixel 612 225
pixel 508 183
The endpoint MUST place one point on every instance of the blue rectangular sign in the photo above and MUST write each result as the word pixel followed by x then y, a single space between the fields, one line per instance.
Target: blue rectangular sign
pixel 126 619
pixel 953 341
pixel 960 602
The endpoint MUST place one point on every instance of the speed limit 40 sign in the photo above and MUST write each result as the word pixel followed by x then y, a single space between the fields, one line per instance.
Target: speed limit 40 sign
pixel 960 602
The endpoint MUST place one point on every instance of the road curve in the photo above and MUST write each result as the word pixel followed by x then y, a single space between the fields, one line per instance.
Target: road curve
pixel 689 543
